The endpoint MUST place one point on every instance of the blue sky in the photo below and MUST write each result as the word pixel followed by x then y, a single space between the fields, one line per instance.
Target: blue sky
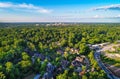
pixel 59 10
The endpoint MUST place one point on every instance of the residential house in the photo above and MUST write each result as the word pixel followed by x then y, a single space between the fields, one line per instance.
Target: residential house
pixel 76 63
pixel 74 51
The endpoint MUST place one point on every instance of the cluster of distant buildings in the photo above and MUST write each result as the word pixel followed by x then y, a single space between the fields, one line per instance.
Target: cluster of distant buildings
pixel 55 24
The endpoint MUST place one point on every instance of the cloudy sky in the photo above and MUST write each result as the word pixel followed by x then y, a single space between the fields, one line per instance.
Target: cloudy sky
pixel 59 10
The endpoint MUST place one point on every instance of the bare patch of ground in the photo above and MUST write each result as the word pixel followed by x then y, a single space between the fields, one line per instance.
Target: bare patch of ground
pixel 110 47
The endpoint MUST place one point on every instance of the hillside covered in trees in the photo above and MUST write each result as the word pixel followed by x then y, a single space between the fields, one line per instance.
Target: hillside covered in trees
pixel 52 51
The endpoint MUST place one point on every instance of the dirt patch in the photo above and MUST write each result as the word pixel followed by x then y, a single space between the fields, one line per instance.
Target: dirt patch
pixel 110 47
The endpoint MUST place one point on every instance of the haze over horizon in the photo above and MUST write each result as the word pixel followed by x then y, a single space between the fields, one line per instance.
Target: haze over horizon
pixel 60 11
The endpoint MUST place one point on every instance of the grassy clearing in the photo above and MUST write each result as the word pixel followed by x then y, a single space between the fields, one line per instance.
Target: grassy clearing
pixel 115 62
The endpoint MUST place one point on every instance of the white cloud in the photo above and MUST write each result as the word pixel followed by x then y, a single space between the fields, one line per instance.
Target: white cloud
pixel 24 6
pixel 98 17
pixel 119 15
pixel 5 5
pixel 109 7
pixel 28 6
pixel 44 11
pixel 109 17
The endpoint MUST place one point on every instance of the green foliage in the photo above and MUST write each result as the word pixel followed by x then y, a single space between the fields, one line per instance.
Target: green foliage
pixel 84 77
pixel 2 76
pixel 84 49
pixel 92 60
pixel 10 70
pixel 25 56
pixel 63 76
pixel 9 67
pixel 98 75
pixel 15 40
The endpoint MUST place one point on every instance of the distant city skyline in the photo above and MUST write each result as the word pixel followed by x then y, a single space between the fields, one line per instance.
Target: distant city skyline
pixel 60 11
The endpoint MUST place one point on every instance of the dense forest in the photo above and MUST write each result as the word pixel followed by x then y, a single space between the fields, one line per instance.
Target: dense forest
pixel 27 49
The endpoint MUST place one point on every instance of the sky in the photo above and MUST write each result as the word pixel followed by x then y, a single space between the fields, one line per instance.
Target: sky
pixel 60 11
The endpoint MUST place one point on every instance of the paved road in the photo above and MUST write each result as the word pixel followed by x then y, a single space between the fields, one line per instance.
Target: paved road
pixel 97 57
pixel 97 53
